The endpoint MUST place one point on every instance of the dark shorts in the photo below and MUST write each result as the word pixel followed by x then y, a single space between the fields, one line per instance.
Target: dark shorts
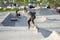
pixel 33 17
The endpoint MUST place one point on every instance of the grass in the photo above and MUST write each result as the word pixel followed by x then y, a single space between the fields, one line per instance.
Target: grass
pixel 9 9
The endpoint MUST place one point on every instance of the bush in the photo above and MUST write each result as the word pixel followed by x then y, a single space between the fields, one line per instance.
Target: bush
pixel 9 9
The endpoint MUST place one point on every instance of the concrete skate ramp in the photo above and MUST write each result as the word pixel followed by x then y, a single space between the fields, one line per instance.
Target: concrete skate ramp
pixel 54 36
pixel 44 32
pixel 48 12
pixel 7 21
pixel 19 22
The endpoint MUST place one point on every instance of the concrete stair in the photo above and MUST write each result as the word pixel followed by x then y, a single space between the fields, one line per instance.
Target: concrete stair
pixel 21 28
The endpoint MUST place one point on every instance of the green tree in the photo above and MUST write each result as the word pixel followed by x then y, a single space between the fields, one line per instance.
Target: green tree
pixel 57 3
pixel 43 1
pixel 2 2
pixel 17 1
pixel 25 2
pixel 50 1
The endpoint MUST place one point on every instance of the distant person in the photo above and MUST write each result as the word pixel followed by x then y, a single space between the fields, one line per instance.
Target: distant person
pixel 31 17
pixel 48 6
pixel 18 13
pixel 14 4
pixel 25 9
pixel 31 6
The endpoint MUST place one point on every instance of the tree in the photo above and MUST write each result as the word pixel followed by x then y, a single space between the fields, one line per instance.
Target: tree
pixel 2 2
pixel 17 1
pixel 57 3
pixel 43 1
pixel 25 2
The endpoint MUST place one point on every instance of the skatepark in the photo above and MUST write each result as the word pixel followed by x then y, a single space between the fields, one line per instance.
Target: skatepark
pixel 47 20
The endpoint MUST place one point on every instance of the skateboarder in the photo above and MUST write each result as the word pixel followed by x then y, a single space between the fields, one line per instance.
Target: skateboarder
pixel 31 17
pixel 18 13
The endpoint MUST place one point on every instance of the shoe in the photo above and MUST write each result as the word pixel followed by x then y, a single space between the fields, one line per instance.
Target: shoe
pixel 28 27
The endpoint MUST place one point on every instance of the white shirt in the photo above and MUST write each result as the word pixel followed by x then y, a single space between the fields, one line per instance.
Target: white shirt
pixel 28 15
pixel 18 12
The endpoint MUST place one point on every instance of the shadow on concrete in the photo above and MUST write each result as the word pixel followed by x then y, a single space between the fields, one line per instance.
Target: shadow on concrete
pixel 44 32
pixel 57 29
pixel 53 27
pixel 53 20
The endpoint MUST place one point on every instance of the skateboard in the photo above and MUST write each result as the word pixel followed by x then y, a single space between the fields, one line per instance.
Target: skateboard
pixel 36 27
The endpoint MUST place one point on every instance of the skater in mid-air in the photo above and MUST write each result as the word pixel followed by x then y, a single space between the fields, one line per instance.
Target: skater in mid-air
pixel 31 18
pixel 18 13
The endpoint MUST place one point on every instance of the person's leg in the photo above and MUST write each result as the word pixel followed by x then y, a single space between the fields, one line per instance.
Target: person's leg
pixel 33 20
pixel 34 23
pixel 29 23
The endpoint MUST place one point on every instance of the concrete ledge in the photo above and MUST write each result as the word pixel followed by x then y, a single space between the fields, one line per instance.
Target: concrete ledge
pixel 17 29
